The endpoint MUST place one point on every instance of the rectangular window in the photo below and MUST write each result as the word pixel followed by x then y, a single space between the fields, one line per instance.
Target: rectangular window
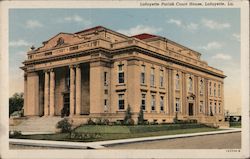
pixel 215 108
pixel 201 107
pixel 121 101
pixel 219 90
pixel 177 104
pixel 152 102
pixel 211 109
pixel 105 91
pixel 120 74
pixel 143 101
pixel 152 77
pixel 201 87
pixel 143 74
pixel 210 88
pixel 162 103
pixel 219 108
pixel 215 89
pixel 177 82
pixel 105 78
pixel 161 78
pixel 105 104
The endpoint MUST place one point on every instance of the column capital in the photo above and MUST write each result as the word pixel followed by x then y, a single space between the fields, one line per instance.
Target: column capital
pixel 71 66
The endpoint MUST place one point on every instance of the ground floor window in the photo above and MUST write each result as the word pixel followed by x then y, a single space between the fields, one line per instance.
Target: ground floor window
pixel 105 104
pixel 143 101
pixel 219 108
pixel 211 110
pixel 201 107
pixel 152 102
pixel 162 103
pixel 215 108
pixel 121 101
pixel 177 104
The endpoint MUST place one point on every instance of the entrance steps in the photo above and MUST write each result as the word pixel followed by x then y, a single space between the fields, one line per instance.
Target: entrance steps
pixel 37 125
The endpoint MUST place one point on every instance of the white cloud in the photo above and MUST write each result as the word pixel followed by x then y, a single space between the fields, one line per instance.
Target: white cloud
pixel 211 24
pixel 139 29
pixel 188 26
pixel 175 21
pixel 221 56
pixel 77 19
pixel 33 24
pixel 212 45
pixel 19 43
pixel 236 36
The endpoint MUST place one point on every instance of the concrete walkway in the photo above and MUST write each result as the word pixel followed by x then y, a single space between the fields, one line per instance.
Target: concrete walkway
pixel 102 144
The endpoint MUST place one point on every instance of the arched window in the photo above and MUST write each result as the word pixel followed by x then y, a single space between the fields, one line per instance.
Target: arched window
pixel 190 84
pixel 177 81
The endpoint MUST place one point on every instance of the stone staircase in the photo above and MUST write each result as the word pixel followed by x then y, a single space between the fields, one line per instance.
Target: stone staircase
pixel 37 125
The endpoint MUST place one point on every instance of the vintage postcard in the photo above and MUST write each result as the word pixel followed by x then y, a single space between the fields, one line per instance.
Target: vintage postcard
pixel 124 79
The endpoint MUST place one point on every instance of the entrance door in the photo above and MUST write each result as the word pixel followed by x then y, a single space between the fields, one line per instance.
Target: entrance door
pixel 190 109
pixel 65 110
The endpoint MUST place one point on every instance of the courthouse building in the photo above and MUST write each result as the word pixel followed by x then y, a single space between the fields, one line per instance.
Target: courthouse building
pixel 98 73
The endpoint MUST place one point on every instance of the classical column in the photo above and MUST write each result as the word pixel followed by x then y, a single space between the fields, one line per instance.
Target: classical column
pixel 72 90
pixel 25 93
pixel 46 94
pixel 32 104
pixel 78 90
pixel 52 93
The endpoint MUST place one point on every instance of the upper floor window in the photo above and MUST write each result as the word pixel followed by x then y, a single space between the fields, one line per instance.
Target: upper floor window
pixel 152 102
pixel 143 70
pixel 177 104
pixel 105 78
pixel 161 78
pixel 152 77
pixel 120 74
pixel 210 88
pixel 201 87
pixel 143 101
pixel 219 90
pixel 215 89
pixel 177 81
pixel 121 101
pixel 190 84
pixel 162 103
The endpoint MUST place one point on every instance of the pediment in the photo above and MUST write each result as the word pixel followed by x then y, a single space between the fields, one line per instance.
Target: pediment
pixel 59 40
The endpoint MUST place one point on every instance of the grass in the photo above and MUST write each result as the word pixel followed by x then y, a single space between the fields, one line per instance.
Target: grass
pixel 102 132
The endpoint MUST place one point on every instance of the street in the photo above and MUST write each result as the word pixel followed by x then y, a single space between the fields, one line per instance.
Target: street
pixel 218 141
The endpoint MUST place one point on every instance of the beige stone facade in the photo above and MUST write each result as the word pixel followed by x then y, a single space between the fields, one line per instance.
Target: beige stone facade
pixel 99 73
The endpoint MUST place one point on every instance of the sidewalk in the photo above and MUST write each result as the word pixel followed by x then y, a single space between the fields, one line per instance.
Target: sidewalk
pixel 102 144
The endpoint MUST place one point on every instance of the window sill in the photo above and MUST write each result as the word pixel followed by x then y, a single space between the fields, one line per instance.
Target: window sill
pixel 162 87
pixel 120 84
pixel 153 111
pixel 152 86
pixel 143 85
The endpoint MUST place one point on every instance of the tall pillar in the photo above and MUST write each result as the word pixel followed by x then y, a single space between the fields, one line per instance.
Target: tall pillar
pixel 46 94
pixel 32 105
pixel 52 93
pixel 72 90
pixel 25 93
pixel 78 90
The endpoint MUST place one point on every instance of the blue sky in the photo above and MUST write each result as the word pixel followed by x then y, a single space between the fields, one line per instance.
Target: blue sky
pixel 215 33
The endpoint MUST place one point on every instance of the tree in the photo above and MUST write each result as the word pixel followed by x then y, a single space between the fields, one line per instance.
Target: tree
pixel 128 117
pixel 16 103
pixel 141 117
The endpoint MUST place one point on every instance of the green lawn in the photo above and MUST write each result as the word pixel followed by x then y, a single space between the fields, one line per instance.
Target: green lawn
pixel 102 132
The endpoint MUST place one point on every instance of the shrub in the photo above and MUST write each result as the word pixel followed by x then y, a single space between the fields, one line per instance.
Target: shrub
pixel 90 122
pixel 130 122
pixel 98 121
pixel 84 136
pixel 118 122
pixel 13 134
pixel 141 117
pixel 106 122
pixel 128 116
pixel 64 125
